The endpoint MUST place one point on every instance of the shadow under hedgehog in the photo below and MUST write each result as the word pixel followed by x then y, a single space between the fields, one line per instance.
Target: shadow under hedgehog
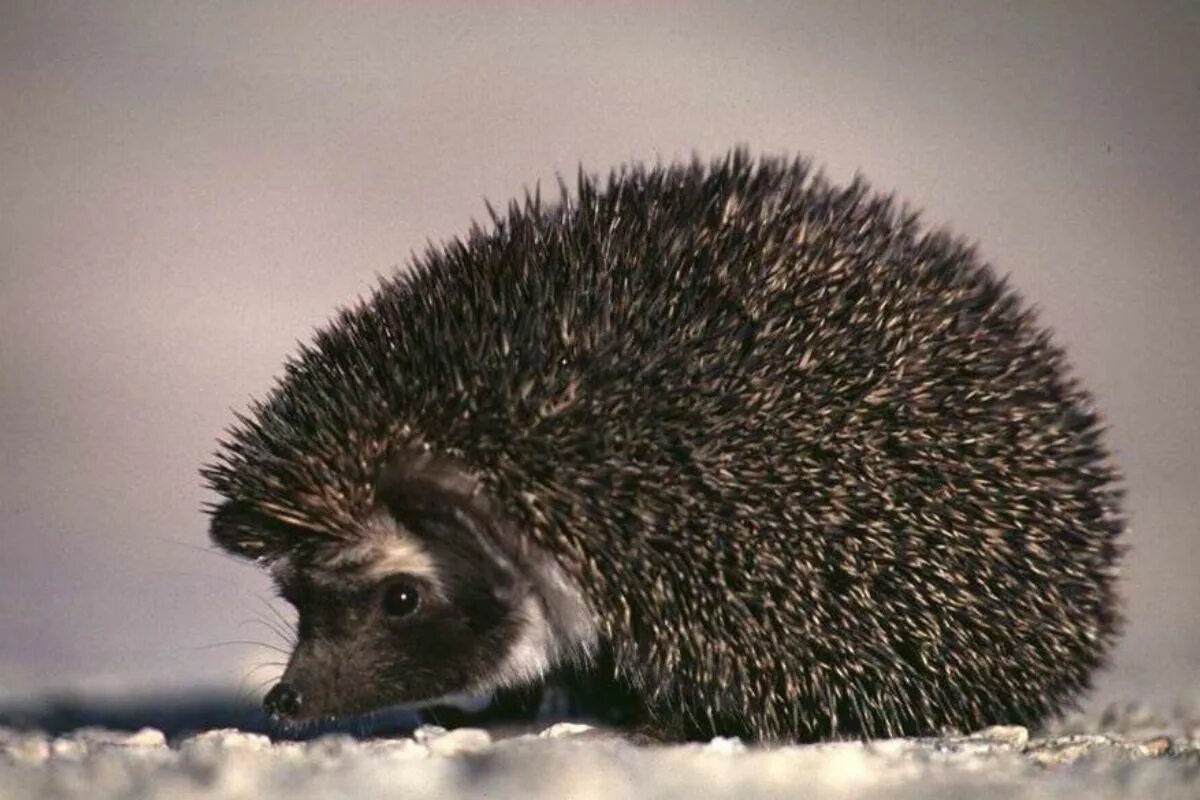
pixel 756 451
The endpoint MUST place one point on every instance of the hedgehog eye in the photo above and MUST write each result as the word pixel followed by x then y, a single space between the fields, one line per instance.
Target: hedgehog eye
pixel 400 598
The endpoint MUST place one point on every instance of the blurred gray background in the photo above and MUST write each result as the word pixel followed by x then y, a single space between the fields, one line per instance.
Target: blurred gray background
pixel 188 189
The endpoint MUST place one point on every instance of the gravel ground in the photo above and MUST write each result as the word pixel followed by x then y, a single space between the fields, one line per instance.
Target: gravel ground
pixel 1145 757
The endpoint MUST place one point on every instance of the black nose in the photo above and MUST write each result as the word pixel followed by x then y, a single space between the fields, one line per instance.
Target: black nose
pixel 283 701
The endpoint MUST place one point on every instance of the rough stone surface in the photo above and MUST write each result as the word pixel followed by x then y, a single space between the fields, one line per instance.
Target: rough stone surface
pixel 570 759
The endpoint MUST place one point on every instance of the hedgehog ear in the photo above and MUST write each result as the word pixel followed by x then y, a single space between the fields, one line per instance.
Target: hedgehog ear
pixel 419 488
pixel 234 530
pixel 418 471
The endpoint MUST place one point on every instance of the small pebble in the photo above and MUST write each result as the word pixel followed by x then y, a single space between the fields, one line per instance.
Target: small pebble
pixel 27 748
pixel 463 740
pixel 1158 746
pixel 226 739
pixel 1014 736
pixel 563 729
pixel 146 737
pixel 427 733
pixel 725 744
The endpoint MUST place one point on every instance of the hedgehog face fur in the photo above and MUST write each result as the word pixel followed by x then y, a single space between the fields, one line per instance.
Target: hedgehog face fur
pixel 753 447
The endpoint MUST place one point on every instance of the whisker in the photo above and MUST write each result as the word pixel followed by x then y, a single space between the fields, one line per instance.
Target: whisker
pixel 258 687
pixel 287 632
pixel 287 636
pixel 247 642
pixel 244 693
pixel 287 624
pixel 290 641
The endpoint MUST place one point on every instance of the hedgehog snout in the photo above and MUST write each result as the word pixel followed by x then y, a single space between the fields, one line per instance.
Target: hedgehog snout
pixel 323 678
pixel 284 701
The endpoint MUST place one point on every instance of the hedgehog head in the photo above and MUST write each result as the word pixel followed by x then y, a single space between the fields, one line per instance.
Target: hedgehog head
pixel 421 594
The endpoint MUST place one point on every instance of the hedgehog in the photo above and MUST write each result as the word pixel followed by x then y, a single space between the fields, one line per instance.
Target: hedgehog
pixel 763 454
